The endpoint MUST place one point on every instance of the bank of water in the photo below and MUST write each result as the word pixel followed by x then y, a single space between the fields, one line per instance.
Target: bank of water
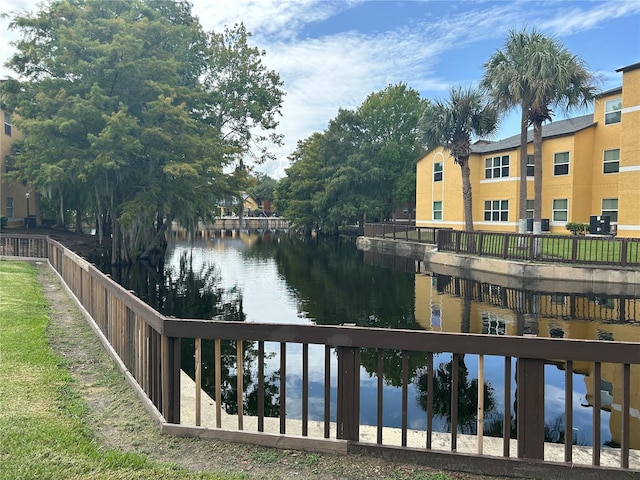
pixel 280 279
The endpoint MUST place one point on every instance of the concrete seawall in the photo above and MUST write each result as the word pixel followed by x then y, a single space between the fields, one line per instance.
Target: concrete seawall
pixel 532 276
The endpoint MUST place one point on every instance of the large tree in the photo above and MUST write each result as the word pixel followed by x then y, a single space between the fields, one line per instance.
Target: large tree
pixel 296 193
pixel 364 161
pixel 452 124
pixel 536 72
pixel 121 110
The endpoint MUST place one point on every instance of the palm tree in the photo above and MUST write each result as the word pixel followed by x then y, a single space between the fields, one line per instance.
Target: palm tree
pixel 451 124
pixel 506 80
pixel 562 81
pixel 538 73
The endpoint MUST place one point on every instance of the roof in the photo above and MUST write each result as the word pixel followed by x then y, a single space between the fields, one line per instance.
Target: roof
pixel 610 92
pixel 628 68
pixel 553 129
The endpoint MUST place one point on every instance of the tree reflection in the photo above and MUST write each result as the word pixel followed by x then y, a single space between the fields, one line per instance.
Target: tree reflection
pixel 194 292
pixel 229 376
pixel 467 395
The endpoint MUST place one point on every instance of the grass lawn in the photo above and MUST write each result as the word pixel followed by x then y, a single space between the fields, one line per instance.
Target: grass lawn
pixel 43 428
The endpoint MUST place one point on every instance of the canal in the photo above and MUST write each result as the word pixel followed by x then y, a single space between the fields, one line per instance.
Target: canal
pixel 280 279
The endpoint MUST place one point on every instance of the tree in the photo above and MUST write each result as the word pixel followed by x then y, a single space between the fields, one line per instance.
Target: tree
pixel 451 124
pixel 536 72
pixel 363 163
pixel 122 113
pixel 389 121
pixel 506 79
pixel 295 193
pixel 561 80
pixel 264 188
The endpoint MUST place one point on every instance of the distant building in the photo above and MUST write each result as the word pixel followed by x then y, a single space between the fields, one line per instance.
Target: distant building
pixel 591 167
pixel 17 200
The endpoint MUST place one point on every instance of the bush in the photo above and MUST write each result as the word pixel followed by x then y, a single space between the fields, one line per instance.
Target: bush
pixel 577 228
pixel 3 222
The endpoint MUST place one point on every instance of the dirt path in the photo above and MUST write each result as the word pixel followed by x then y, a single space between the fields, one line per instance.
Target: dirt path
pixel 121 421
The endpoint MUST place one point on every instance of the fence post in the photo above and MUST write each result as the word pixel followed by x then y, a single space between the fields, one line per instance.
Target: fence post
pixel 479 249
pixel 171 379
pixel 623 252
pixel 348 393
pixel 530 408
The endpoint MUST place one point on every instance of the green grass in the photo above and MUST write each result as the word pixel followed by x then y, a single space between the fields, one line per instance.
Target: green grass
pixel 44 432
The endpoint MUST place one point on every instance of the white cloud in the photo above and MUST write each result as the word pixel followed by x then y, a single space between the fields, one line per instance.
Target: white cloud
pixel 576 19
pixel 338 70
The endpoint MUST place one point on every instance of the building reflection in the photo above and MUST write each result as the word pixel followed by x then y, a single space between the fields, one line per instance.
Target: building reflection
pixel 442 305
pixel 446 303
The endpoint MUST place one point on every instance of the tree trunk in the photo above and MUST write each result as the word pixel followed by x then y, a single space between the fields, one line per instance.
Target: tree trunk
pixel 466 194
pixel 522 199
pixel 537 177
pixel 61 221
pixel 537 186
pixel 115 241
pixel 78 220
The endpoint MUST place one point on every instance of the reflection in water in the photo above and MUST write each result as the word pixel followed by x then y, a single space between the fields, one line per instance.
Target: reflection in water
pixel 467 395
pixel 327 281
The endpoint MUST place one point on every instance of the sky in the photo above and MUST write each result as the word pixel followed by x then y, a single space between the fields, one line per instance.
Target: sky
pixel 332 54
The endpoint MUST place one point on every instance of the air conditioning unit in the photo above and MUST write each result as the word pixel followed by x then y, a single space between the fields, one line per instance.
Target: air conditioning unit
pixel 600 225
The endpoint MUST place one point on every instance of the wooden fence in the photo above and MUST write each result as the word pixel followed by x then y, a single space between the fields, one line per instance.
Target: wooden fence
pixel 148 347
pixel 575 249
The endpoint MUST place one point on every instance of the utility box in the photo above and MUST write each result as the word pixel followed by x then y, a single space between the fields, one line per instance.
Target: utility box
pixel 544 224
pixel 600 225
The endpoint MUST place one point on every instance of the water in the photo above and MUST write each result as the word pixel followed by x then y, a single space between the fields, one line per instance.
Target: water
pixel 279 279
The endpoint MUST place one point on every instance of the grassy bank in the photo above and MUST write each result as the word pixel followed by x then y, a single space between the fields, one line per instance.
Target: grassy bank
pixel 43 429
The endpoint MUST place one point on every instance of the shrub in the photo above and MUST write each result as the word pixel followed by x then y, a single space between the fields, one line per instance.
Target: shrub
pixel 577 228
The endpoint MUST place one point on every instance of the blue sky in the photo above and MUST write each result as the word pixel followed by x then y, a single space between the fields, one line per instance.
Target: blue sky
pixel 332 54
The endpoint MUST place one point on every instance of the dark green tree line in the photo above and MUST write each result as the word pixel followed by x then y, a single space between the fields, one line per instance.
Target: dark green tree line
pixel 131 112
pixel 361 167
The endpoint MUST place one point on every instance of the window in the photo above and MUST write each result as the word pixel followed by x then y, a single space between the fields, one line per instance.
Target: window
pixel 496 167
pixel 612 111
pixel 530 170
pixel 7 124
pixel 8 164
pixel 9 207
pixel 610 208
pixel 437 210
pixel 496 210
pixel 530 204
pixel 437 172
pixel 560 210
pixel 561 163
pixel 611 161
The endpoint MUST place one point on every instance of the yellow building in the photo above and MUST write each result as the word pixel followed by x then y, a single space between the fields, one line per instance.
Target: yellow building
pixel 17 201
pixel 591 166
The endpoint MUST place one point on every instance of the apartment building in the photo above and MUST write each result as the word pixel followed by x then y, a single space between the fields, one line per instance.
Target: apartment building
pixel 591 167
pixel 17 200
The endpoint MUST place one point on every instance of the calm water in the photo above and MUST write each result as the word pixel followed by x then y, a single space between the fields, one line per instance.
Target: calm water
pixel 279 279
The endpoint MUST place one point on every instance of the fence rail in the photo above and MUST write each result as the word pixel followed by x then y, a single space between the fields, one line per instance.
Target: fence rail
pixel 156 351
pixel 577 249
pixel 406 231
